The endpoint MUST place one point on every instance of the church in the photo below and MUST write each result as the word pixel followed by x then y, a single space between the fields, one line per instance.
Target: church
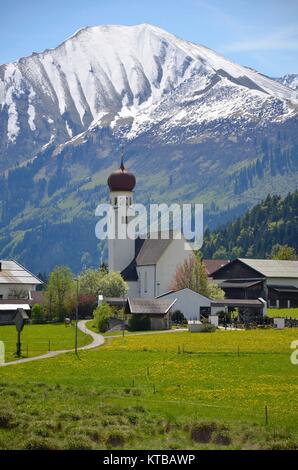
pixel 147 265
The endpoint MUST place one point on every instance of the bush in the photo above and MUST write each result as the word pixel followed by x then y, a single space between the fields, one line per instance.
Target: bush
pixel 178 317
pixel 37 314
pixel 101 315
pixel 207 328
pixel 139 323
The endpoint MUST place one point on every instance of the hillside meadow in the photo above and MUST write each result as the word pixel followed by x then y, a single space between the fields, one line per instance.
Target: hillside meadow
pixel 160 391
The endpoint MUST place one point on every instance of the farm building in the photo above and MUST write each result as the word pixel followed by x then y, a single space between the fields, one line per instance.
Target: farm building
pixel 189 302
pixel 212 265
pixel 16 281
pixel 276 281
pixel 17 286
pixel 157 310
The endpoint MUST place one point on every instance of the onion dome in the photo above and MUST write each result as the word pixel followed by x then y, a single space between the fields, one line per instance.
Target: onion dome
pixel 121 179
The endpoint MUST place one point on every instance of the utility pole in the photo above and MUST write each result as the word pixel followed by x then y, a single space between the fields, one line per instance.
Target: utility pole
pixel 77 317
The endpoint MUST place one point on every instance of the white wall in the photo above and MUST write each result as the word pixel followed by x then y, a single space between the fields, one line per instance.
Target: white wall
pixel 167 265
pixel 188 302
pixel 121 251
pixel 6 288
pixel 146 289
pixel 133 289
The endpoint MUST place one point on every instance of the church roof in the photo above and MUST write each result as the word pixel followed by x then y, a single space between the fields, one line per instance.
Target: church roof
pixel 121 179
pixel 147 253
pixel 151 251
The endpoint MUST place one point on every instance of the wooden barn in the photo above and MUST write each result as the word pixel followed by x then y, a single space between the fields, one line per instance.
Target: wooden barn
pixel 276 281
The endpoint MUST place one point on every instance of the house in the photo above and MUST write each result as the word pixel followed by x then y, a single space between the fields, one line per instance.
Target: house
pixel 147 264
pixel 16 282
pixel 17 285
pixel 158 310
pixel 276 281
pixel 189 302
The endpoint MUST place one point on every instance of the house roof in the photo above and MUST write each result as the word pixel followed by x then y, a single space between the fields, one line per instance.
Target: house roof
pixel 212 265
pixel 272 267
pixel 191 292
pixel 237 303
pixel 12 272
pixel 149 306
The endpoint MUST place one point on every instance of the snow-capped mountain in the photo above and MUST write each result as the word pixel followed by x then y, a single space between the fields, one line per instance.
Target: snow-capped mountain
pixel 290 80
pixel 130 78
pixel 196 127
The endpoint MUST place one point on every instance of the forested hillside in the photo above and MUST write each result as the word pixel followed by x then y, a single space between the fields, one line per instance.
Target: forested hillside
pixel 273 221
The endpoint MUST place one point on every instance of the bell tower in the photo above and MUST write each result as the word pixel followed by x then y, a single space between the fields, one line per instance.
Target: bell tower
pixel 121 248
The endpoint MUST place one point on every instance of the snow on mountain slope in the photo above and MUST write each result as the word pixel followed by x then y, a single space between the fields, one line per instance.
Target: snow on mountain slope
pixel 289 80
pixel 110 74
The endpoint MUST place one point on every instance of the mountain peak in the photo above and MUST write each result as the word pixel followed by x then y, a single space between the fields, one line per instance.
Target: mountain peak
pixel 115 74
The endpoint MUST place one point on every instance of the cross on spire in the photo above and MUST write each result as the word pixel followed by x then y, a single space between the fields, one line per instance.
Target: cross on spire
pixel 122 158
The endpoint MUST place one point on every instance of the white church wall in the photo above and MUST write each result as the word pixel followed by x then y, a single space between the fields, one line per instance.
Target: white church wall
pixel 147 281
pixel 133 289
pixel 166 267
pixel 121 251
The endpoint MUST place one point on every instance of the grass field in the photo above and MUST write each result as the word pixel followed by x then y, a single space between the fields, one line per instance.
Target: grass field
pixel 283 312
pixel 39 339
pixel 163 391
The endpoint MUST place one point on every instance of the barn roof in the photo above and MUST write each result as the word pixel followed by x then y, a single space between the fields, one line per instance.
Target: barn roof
pixel 272 267
pixel 12 272
pixel 149 306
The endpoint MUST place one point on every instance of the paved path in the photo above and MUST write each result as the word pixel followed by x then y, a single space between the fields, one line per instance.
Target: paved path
pixel 98 340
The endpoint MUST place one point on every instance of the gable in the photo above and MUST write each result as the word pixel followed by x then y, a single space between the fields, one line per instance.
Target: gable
pixel 237 269
pixel 189 293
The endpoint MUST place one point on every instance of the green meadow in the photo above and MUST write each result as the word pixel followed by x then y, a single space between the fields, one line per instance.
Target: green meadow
pixel 176 390
pixel 39 339
pixel 283 312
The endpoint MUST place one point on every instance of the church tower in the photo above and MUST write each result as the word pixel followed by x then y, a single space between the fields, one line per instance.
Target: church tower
pixel 121 184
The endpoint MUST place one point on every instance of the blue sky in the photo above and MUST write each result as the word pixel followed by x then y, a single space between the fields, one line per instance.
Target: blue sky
pixel 262 34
